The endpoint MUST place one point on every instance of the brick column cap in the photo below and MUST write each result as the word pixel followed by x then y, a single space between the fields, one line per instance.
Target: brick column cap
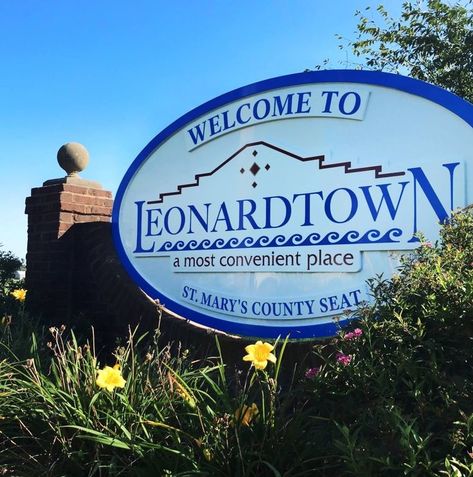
pixel 74 180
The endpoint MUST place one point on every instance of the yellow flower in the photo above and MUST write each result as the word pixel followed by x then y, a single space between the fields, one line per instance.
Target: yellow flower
pixel 207 455
pixel 245 414
pixel 181 390
pixel 110 378
pixel 19 294
pixel 259 354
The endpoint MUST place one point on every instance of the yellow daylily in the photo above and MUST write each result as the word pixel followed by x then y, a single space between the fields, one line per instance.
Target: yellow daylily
pixel 19 294
pixel 207 455
pixel 110 378
pixel 259 354
pixel 245 414
pixel 181 391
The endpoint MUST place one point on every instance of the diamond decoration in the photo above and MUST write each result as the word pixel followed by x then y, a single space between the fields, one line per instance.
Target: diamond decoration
pixel 254 168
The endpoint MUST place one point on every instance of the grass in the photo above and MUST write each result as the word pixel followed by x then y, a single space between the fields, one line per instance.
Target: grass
pixel 390 396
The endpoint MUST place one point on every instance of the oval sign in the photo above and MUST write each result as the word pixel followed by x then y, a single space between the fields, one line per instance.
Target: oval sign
pixel 264 211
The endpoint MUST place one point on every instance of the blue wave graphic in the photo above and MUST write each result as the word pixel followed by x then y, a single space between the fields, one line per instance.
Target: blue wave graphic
pixel 351 237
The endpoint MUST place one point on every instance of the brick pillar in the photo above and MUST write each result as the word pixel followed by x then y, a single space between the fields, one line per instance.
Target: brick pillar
pixel 52 210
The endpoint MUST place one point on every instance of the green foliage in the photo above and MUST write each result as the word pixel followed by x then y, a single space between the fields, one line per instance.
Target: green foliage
pixel 174 416
pixel 431 41
pixel 9 264
pixel 403 405
pixel 391 396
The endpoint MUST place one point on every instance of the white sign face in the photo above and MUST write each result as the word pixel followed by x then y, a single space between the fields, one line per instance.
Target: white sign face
pixel 263 212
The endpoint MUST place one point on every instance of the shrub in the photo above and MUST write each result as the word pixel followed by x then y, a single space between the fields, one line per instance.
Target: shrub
pixel 403 404
pixel 9 264
pixel 391 395
pixel 174 416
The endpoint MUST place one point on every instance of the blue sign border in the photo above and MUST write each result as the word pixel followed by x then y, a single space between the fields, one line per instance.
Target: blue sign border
pixel 448 100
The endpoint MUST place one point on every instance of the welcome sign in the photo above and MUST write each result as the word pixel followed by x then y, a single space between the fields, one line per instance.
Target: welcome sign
pixel 264 211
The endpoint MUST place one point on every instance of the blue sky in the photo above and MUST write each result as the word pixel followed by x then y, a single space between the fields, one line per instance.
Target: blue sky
pixel 112 74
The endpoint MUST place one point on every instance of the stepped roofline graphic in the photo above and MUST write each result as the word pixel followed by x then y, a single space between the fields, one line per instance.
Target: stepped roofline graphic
pixel 348 169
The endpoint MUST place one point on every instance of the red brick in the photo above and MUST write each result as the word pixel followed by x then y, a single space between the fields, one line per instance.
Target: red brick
pixel 97 210
pixel 73 208
pixel 37 229
pixel 38 246
pixel 52 211
pixel 38 265
pixel 35 209
pixel 66 217
pixel 64 227
pixel 66 197
pixel 99 193
pixel 44 198
pixel 104 202
pixel 75 189
pixel 49 218
pixel 58 254
pixel 85 199
pixel 81 199
pixel 56 188
pixel 48 236
pixel 59 266
pixel 34 275
pixel 79 219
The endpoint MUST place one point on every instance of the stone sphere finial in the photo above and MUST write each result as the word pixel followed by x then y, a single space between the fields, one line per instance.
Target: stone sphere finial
pixel 73 158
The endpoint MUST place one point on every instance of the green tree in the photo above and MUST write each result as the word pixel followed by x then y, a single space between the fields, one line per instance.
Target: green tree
pixel 9 264
pixel 431 41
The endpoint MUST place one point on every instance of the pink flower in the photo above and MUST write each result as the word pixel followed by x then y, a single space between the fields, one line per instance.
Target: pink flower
pixel 353 335
pixel 344 359
pixel 427 244
pixel 311 373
